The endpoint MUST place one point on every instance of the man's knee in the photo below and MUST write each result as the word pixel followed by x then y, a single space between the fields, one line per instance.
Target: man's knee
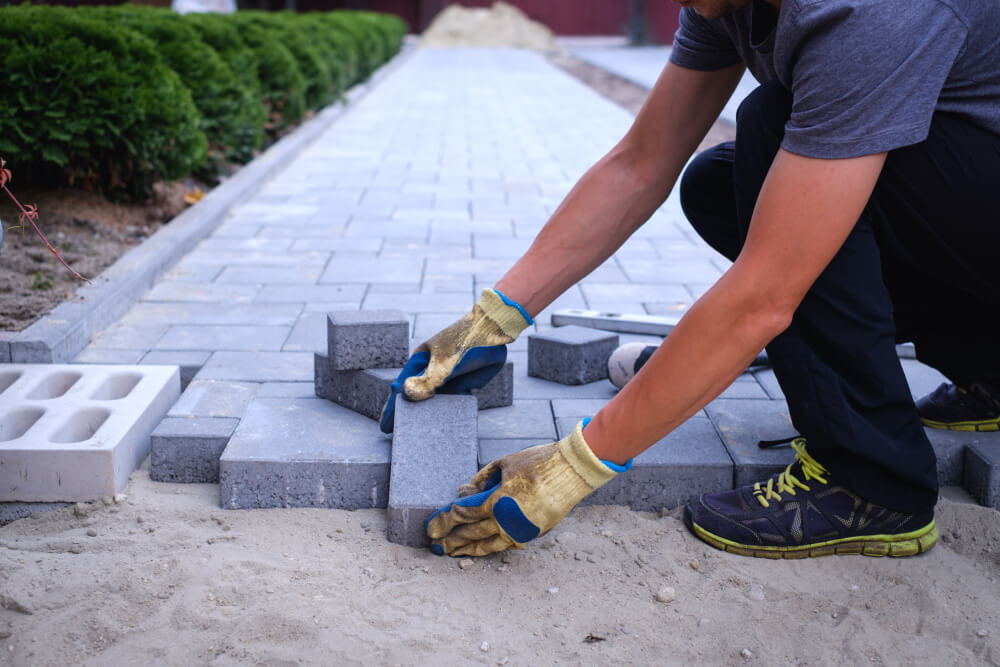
pixel 768 106
pixel 706 193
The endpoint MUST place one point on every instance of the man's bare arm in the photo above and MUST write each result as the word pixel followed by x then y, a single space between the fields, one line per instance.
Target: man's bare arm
pixel 805 211
pixel 621 191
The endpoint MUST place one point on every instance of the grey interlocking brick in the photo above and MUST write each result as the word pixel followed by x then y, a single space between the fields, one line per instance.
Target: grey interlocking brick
pixel 492 449
pixel 434 451
pixel 745 422
pixel 982 471
pixel 189 361
pixel 187 449
pixel 949 448
pixel 363 391
pixel 570 355
pixel 286 390
pixel 222 337
pixel 367 339
pixel 214 398
pixel 688 462
pixel 524 419
pixel 304 452
pixel 499 391
pixel 5 337
pixel 258 367
pixel 99 355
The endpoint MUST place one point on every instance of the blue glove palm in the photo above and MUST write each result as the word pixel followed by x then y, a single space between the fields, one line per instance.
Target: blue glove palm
pixel 473 371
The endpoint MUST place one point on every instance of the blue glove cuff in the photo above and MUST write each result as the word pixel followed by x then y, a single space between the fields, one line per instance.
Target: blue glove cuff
pixel 515 304
pixel 611 466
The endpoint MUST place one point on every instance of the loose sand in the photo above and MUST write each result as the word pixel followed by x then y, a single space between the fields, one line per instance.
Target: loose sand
pixel 499 25
pixel 165 577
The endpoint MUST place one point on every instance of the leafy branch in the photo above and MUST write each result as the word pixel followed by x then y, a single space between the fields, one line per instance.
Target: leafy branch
pixel 29 213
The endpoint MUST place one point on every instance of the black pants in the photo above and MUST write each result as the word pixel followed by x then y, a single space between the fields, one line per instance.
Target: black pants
pixel 920 266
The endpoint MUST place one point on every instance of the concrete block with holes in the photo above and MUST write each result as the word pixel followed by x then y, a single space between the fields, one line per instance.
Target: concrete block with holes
pixel 570 355
pixel 76 432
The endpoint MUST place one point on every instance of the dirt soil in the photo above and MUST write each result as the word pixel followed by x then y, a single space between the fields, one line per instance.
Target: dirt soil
pixel 88 231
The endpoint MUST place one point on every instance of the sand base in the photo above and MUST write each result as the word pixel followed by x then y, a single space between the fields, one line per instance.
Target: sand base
pixel 168 578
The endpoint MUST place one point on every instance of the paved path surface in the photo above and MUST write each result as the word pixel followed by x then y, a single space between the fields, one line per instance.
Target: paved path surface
pixel 416 199
pixel 642 66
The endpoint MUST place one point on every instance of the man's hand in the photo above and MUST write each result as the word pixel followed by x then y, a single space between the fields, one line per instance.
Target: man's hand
pixel 515 499
pixel 463 357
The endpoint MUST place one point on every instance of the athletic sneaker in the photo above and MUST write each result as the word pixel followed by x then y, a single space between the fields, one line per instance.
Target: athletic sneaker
pixel 800 513
pixel 955 408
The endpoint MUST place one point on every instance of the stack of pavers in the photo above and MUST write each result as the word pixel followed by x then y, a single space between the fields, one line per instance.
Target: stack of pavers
pixel 310 452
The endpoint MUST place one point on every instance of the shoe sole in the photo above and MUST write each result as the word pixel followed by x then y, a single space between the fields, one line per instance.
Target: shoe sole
pixel 896 546
pixel 979 426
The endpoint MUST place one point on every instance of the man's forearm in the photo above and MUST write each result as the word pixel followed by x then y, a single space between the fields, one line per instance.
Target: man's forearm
pixel 602 210
pixel 805 211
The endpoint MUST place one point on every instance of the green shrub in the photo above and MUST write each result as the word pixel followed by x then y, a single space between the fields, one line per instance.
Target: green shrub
pixel 281 82
pixel 219 32
pixel 319 89
pixel 227 112
pixel 90 103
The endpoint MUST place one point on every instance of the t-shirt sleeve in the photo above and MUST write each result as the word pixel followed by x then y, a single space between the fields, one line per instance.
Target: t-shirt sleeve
pixel 864 80
pixel 701 44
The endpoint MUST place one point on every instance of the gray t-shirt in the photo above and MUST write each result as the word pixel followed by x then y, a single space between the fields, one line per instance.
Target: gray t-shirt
pixel 866 76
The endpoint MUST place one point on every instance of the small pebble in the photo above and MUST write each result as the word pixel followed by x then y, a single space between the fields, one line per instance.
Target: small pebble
pixel 120 498
pixel 139 519
pixel 982 633
pixel 503 568
pixel 465 563
pixel 268 590
pixel 484 647
pixel 666 594
pixel 107 500
pixel 746 653
pixel 579 555
pixel 695 564
pixel 501 663
pixel 553 590
pixel 91 532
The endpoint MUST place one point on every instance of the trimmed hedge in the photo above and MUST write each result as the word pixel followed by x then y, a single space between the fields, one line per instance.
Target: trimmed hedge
pixel 115 98
pixel 227 114
pixel 220 33
pixel 90 103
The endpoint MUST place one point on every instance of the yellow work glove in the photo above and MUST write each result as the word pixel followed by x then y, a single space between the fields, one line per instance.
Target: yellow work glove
pixel 494 320
pixel 516 498
pixel 463 357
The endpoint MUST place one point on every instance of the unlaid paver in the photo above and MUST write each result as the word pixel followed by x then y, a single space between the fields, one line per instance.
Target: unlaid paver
pixel 363 391
pixel 434 451
pixel 304 452
pixel 187 449
pixel 360 339
pixel 570 355
pixel 982 471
